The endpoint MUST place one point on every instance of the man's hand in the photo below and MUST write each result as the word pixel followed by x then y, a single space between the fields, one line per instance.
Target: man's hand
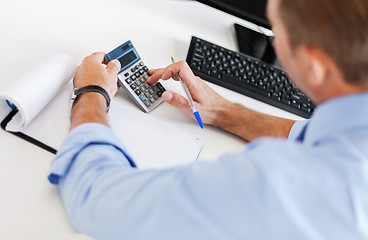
pixel 91 106
pixel 92 71
pixel 207 101
pixel 216 110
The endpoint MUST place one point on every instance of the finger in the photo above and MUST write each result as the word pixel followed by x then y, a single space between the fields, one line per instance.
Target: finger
pixel 183 70
pixel 169 74
pixel 151 71
pixel 113 67
pixel 176 100
pixel 155 75
pixel 162 73
pixel 96 57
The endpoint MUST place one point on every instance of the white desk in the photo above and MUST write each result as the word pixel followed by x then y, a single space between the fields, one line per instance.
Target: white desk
pixel 30 207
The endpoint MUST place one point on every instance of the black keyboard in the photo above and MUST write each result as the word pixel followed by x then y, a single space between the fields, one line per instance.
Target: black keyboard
pixel 248 76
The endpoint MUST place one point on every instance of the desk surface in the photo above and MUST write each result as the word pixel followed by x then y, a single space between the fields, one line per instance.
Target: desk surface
pixel 30 207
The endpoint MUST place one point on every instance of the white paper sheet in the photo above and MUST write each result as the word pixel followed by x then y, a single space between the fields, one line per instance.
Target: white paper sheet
pixel 152 143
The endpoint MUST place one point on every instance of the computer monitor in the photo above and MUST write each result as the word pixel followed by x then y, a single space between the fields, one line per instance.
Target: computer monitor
pixel 251 10
pixel 250 42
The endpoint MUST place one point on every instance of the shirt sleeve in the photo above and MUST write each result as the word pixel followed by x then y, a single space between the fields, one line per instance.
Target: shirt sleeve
pixel 296 129
pixel 80 138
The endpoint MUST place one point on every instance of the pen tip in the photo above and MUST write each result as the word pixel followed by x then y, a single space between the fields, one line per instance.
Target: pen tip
pixel 198 118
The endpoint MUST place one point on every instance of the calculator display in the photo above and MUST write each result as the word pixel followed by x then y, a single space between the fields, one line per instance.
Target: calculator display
pixel 127 58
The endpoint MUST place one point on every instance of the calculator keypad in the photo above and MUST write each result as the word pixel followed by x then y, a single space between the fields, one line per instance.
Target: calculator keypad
pixel 135 78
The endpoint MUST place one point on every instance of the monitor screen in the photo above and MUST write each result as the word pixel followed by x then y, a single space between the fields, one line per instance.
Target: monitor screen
pixel 251 10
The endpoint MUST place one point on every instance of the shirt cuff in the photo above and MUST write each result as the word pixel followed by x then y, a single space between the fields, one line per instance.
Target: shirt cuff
pixel 77 140
pixel 296 129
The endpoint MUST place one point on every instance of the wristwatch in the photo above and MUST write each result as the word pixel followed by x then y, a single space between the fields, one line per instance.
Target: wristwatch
pixel 91 88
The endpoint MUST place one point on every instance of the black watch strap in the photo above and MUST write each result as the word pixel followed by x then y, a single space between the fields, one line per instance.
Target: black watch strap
pixel 92 88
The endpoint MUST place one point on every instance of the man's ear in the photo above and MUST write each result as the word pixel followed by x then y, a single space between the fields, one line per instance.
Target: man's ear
pixel 317 63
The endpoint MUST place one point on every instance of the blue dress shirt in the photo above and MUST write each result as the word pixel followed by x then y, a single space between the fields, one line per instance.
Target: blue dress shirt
pixel 313 185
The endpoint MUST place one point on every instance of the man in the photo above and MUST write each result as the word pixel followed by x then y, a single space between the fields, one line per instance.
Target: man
pixel 311 182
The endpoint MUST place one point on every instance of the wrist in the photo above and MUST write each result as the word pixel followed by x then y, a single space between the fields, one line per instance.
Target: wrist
pixel 91 88
pixel 223 115
pixel 89 107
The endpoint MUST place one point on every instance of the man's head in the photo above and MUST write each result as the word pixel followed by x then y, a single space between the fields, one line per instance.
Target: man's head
pixel 316 37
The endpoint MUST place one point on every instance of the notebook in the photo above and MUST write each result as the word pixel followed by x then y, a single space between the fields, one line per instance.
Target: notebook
pixel 37 107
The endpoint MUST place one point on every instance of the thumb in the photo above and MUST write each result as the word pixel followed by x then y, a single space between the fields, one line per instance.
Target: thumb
pixel 114 66
pixel 176 100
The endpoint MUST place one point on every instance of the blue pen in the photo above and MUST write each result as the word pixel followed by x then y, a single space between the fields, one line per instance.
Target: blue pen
pixel 194 109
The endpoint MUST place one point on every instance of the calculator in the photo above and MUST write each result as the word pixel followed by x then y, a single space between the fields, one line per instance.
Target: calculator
pixel 133 75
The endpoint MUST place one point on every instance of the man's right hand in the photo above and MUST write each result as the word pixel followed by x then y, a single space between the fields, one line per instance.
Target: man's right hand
pixel 216 110
pixel 206 100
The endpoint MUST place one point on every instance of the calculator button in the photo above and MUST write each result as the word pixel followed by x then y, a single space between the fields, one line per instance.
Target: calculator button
pixel 155 88
pixel 136 67
pixel 133 86
pixel 160 87
pixel 143 98
pixel 128 80
pixel 132 70
pixel 138 83
pixel 145 69
pixel 142 80
pixel 159 93
pixel 147 94
pixel 147 103
pixel 137 74
pixel 142 88
pixel 150 91
pixel 141 71
pixel 145 85
pixel 145 76
pixel 133 77
pixel 155 97
pixel 141 64
pixel 126 74
pixel 138 92
pixel 152 100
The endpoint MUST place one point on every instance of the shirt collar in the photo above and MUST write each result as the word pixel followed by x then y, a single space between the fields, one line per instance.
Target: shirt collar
pixel 337 115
